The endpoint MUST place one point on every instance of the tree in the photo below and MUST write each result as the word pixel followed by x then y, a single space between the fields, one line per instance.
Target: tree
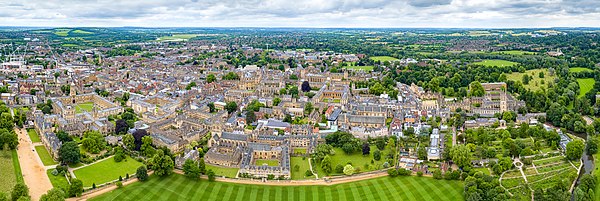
pixel 294 92
pixel 162 164
pixel 142 173
pixel 366 148
pixel 121 127
pixel 211 107
pixel 231 107
pixel 211 175
pixel 461 156
pixel 422 153
pixel 129 141
pixel 69 153
pixel 575 149
pixel 276 101
pixel 591 146
pixel 305 86
pixel 377 89
pixel 190 169
pixel 54 194
pixel 476 89
pixel 377 155
pixel 250 117
pixel 190 85
pixel 93 141
pixel 231 76
pixel 326 165
pixel 202 166
pixel 348 170
pixel 339 168
pixel 308 108
pixel 211 78
pixel 146 147
pixel 76 188
pixel 119 155
pixel 63 136
pixel 18 191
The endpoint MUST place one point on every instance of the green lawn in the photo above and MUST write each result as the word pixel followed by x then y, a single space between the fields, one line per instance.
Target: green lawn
pixel 45 155
pixel 33 135
pixel 79 108
pixel 484 170
pixel 223 171
pixel 178 187
pixel 383 58
pixel 579 69
pixel 356 159
pixel 364 68
pixel 267 162
pixel 492 63
pixel 597 173
pixel 303 164
pixel 106 171
pixel 7 171
pixel 536 82
pixel 58 181
pixel 585 85
pixel 77 31
pixel 300 150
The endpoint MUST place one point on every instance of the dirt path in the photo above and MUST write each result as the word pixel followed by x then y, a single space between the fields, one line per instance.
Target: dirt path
pixel 34 173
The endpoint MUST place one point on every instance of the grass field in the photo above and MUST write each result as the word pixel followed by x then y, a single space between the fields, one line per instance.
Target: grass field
pixel 303 164
pixel 384 58
pixel 579 69
pixel 536 82
pixel 585 85
pixel 45 155
pixel 80 108
pixel 223 171
pixel 363 68
pixel 77 31
pixel 492 63
pixel 484 170
pixel 62 32
pixel 357 160
pixel 33 135
pixel 7 171
pixel 178 187
pixel 59 181
pixel 597 173
pixel 177 37
pixel 514 52
pixel 106 171
pixel 267 162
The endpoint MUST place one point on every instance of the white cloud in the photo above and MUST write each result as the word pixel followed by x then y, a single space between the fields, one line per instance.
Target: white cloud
pixel 302 13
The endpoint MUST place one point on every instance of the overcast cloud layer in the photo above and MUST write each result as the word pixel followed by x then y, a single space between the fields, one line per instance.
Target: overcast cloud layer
pixel 302 13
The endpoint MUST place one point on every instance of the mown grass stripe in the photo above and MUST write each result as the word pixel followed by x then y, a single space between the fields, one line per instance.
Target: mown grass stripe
pixel 386 188
pixel 375 190
pixel 354 189
pixel 241 194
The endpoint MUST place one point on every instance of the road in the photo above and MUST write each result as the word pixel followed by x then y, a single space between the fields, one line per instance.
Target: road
pixel 34 172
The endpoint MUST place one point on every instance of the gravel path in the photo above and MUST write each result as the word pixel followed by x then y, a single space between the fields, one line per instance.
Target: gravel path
pixel 34 173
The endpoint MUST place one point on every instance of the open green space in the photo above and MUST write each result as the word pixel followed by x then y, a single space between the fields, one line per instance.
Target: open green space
pixel 300 150
pixel 78 31
pixel 579 69
pixel 58 181
pixel 62 32
pixel 106 171
pixel 177 37
pixel 9 171
pixel 359 161
pixel 597 174
pixel 33 135
pixel 223 171
pixel 303 166
pixel 273 163
pixel 80 108
pixel 178 187
pixel 585 85
pixel 492 63
pixel 45 155
pixel 484 170
pixel 535 81
pixel 383 58
pixel 363 68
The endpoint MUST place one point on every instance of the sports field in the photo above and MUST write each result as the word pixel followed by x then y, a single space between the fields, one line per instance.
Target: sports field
pixel 45 155
pixel 79 108
pixel 585 85
pixel 106 171
pixel 579 69
pixel 178 187
pixel 383 58
pixel 33 135
pixel 492 63
pixel 7 170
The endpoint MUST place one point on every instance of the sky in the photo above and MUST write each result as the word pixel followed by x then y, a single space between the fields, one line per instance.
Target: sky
pixel 302 13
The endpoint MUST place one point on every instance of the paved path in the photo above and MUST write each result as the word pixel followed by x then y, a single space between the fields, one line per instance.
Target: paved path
pixel 34 172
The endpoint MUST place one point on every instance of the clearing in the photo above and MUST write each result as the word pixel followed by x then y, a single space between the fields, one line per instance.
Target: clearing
pixel 536 82
pixel 498 63
pixel 585 85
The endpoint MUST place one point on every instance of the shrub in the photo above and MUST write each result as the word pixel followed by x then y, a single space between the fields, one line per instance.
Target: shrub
pixel 392 172
pixel 348 170
pixel 339 168
pixel 419 174
pixel 119 184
